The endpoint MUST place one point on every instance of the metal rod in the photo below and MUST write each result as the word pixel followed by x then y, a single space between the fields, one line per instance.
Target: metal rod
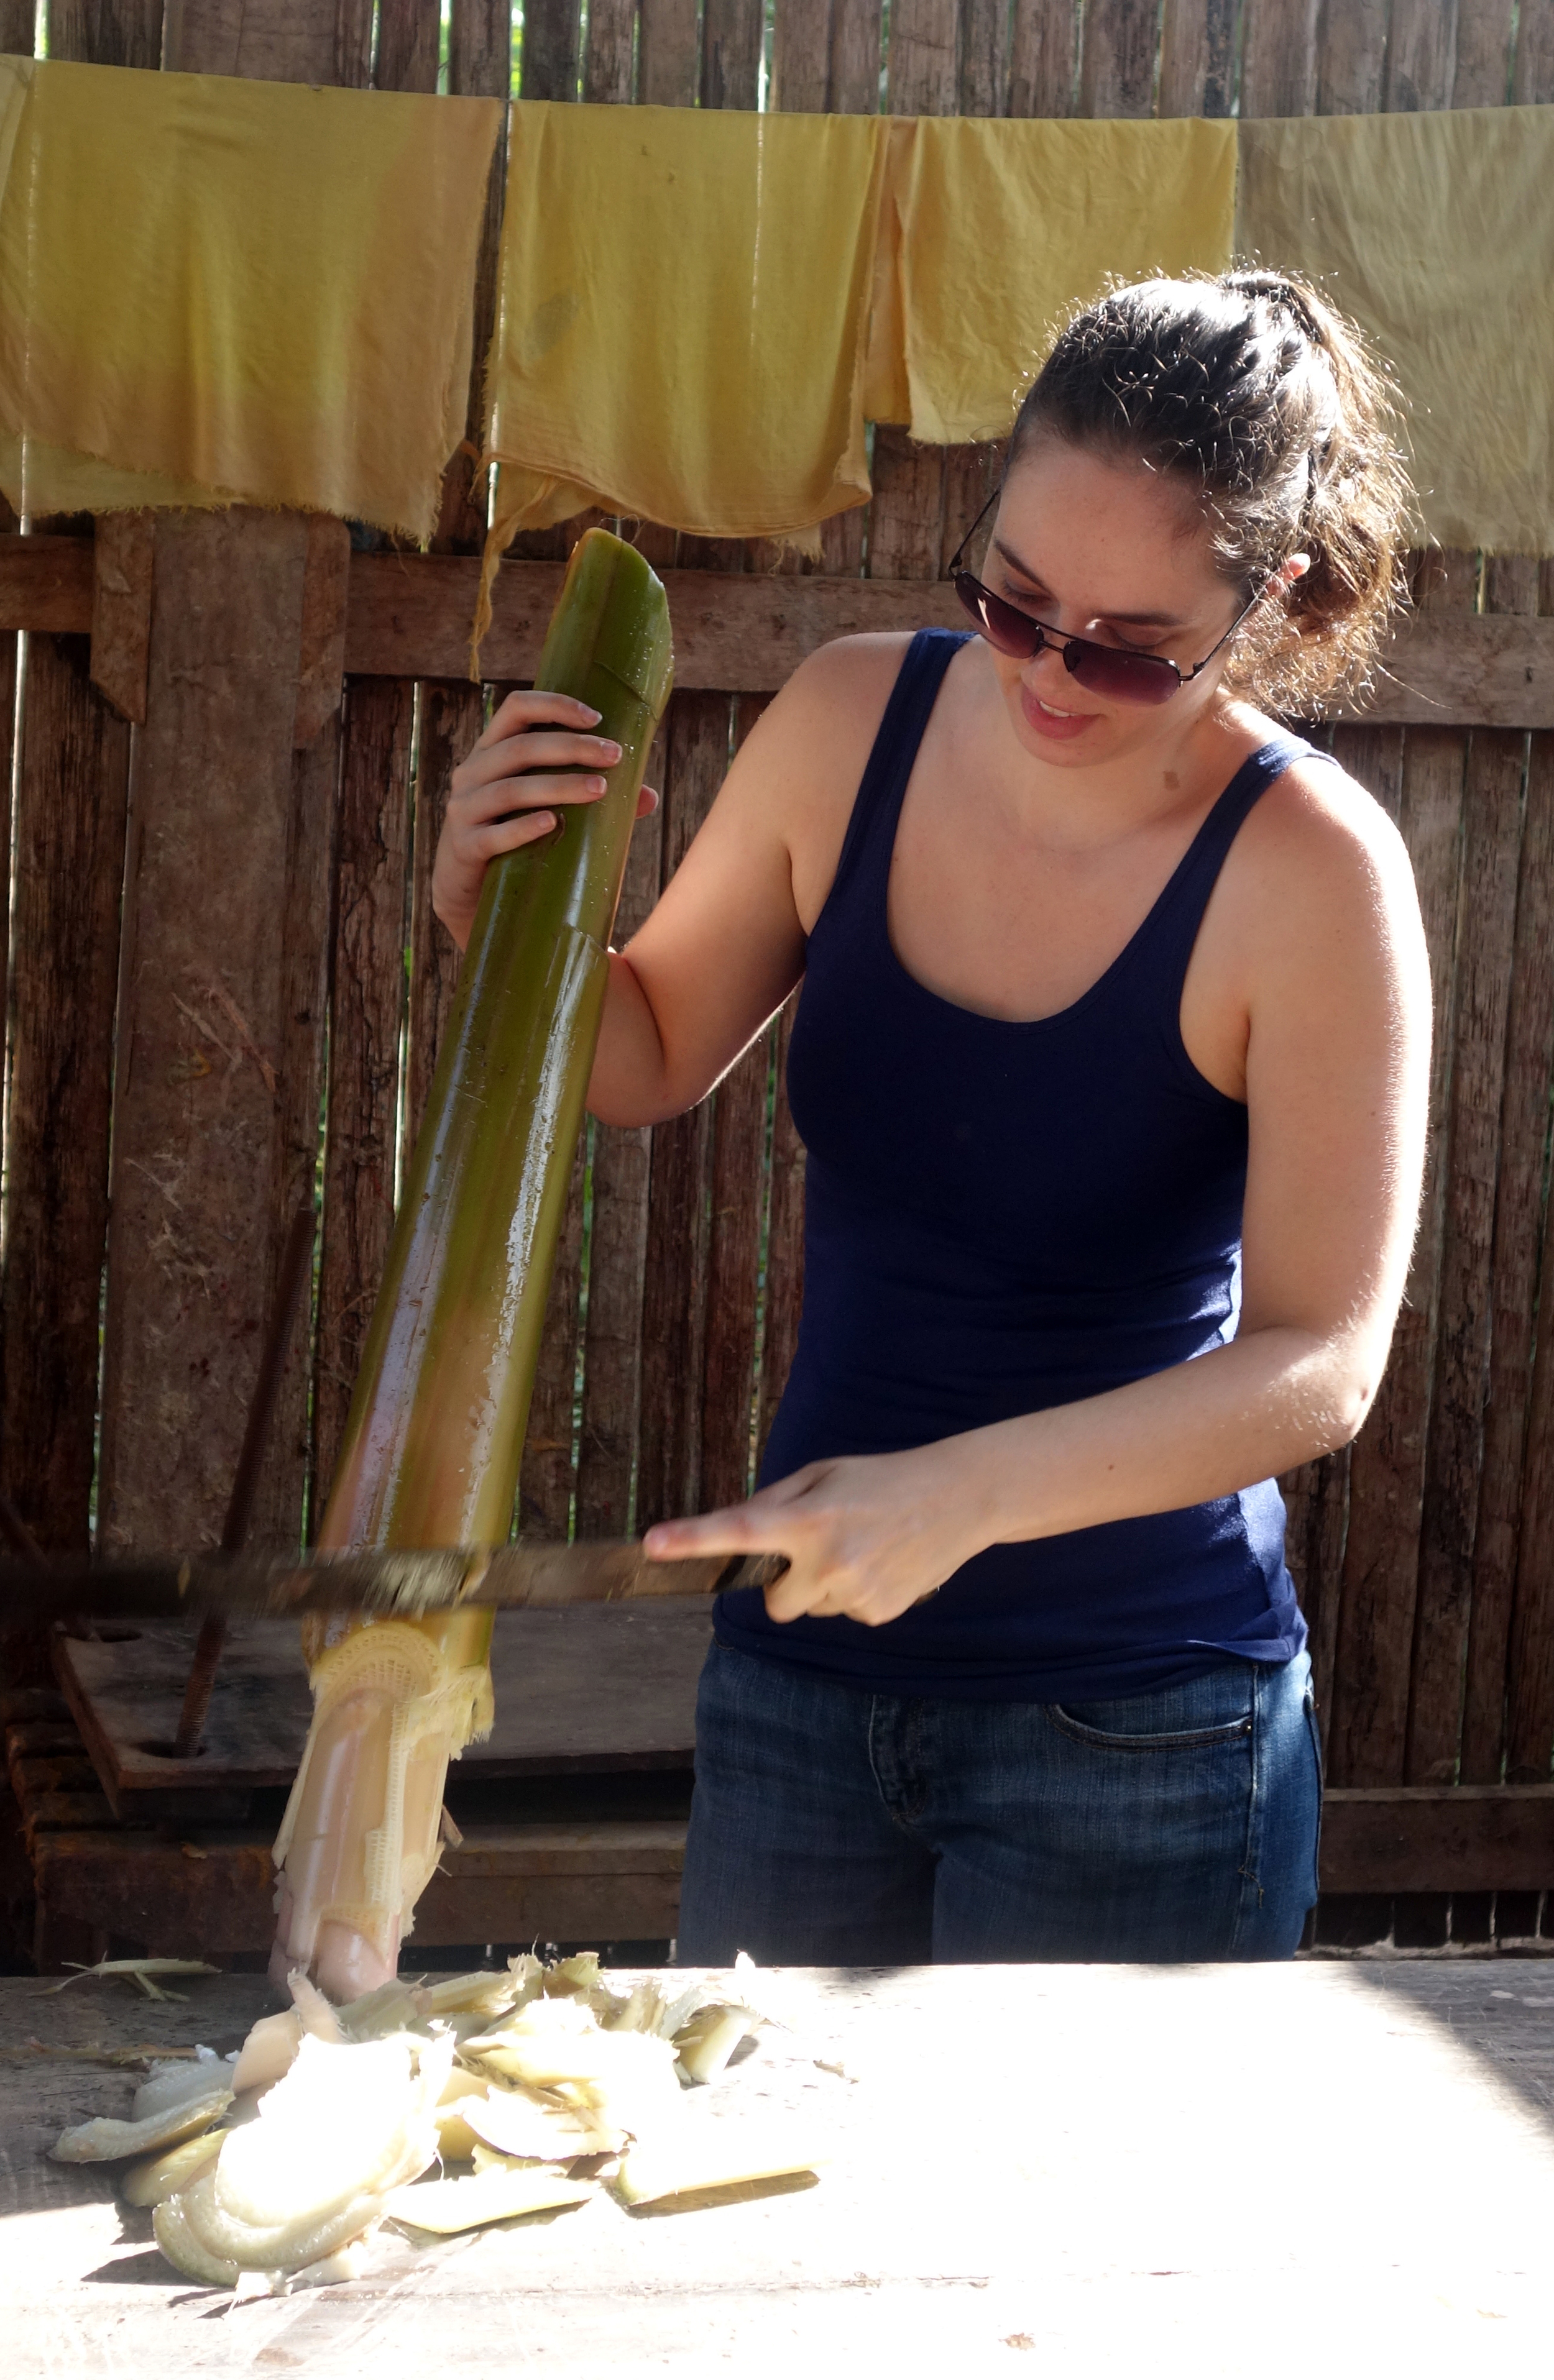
pixel 295 1262
pixel 395 1584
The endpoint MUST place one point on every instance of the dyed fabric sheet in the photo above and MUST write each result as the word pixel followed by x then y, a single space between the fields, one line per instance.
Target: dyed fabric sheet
pixel 684 317
pixel 1436 232
pixel 1003 227
pixel 213 290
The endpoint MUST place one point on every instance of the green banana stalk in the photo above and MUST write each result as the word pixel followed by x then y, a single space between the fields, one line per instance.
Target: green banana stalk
pixel 434 1435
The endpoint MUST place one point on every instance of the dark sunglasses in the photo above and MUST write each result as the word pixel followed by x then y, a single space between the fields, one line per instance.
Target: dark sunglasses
pixel 1115 675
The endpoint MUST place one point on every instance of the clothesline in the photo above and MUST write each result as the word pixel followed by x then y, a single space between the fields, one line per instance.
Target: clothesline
pixel 214 290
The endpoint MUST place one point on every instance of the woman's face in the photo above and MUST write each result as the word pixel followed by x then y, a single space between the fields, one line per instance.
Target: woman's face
pixel 1106 549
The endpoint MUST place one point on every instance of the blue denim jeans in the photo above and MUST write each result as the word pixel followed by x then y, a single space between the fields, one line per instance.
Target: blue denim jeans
pixel 835 1827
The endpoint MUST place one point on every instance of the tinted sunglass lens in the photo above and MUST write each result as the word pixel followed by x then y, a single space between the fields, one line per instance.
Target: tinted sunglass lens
pixel 1014 633
pixel 1120 677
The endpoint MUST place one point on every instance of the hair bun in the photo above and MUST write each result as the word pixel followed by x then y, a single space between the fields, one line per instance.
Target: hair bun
pixel 1276 290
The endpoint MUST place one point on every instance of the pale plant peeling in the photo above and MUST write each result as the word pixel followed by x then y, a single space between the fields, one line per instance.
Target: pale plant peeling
pixel 142 1973
pixel 334 2139
pixel 498 2194
pixel 175 2102
pixel 546 2081
pixel 164 2176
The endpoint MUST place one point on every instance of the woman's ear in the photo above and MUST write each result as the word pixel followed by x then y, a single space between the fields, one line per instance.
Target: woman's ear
pixel 1296 567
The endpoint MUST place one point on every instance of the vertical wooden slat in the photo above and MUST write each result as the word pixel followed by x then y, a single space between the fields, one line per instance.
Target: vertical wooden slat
pixel 1044 57
pixel 667 54
pixel 366 1015
pixel 1386 1470
pixel 981 76
pixel 731 37
pixel 101 33
pixel 1518 1234
pixel 857 53
pixel 409 45
pixel 310 881
pixel 826 55
pixel 785 1241
pixel 906 518
pixel 199 1119
pixel 1529 1715
pixel 1421 54
pixel 1279 57
pixel 1462 58
pixel 544 1487
pixel 550 49
pixel 801 57
pixel 609 61
pixel 1532 83
pixel 1116 69
pixel 921 65
pixel 1483 67
pixel 1351 59
pixel 1492 814
pixel 1198 57
pixel 479 67
pixel 1529 1706
pixel 674 1295
pixel 734 1250
pixel 448 730
pixel 970 473
pixel 617 1248
pixel 70 831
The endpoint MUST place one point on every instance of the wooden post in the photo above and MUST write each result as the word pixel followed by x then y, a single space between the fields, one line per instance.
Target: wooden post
pixel 221 1017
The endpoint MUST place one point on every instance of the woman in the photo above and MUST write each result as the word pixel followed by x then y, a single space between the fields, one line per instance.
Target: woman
pixel 1111 1064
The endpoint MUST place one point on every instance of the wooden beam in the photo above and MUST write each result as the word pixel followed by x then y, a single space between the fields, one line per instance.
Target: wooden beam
pixel 198 1119
pixel 1439 1839
pixel 552 1882
pixel 46 586
pixel 746 632
pixel 121 552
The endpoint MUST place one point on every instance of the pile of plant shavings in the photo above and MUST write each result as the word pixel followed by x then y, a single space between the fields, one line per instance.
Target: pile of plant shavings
pixel 534 2088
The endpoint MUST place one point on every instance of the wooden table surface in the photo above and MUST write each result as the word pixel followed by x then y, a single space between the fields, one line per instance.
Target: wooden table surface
pixel 1331 2168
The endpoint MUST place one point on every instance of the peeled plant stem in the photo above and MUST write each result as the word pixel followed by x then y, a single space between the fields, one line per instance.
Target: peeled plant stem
pixel 432 1446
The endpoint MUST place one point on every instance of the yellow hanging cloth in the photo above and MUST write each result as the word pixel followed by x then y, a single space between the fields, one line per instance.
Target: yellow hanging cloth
pixel 1433 231
pixel 1005 226
pixel 213 290
pixel 683 319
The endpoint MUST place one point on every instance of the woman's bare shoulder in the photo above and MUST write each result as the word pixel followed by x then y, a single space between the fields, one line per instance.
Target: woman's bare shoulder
pixel 798 769
pixel 1324 887
pixel 1320 822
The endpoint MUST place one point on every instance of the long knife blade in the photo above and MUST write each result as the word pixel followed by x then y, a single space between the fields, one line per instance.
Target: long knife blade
pixel 390 1586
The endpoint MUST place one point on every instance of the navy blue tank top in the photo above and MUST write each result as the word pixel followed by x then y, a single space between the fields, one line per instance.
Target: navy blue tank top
pixel 1003 1217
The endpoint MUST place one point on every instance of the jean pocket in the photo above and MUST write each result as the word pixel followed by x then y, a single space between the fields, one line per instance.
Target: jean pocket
pixel 1180 1738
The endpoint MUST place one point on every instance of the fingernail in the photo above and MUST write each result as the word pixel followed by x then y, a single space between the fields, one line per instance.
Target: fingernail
pixel 594 784
pixel 611 749
pixel 594 716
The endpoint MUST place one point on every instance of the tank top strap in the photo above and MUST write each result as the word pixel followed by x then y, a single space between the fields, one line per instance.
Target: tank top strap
pixel 1168 934
pixel 871 830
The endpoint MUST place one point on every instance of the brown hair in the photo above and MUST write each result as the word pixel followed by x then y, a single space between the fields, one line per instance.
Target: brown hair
pixel 1252 390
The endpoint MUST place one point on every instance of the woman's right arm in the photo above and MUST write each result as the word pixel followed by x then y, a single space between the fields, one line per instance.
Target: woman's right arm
pixel 724 946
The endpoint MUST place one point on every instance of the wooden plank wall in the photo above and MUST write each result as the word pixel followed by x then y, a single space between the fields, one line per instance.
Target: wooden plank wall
pixel 1425 1554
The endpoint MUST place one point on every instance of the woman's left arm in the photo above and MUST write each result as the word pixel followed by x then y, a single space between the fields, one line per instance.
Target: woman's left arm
pixel 1324 953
